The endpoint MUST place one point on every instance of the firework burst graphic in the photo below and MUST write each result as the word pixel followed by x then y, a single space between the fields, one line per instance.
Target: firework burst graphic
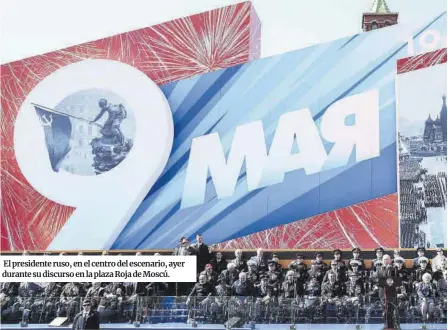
pixel 200 44
pixel 165 52
pixel 365 225
pixel 422 61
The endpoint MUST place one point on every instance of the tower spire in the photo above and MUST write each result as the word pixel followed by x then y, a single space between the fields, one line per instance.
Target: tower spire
pixel 380 7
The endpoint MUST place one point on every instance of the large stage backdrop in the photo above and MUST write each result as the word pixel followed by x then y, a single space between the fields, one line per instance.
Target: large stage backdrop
pixel 297 150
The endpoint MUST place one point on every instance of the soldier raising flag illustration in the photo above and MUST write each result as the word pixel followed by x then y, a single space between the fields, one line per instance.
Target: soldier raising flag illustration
pixel 109 149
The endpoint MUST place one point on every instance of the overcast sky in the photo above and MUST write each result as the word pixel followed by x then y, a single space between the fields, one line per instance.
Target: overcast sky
pixel 31 27
pixel 420 93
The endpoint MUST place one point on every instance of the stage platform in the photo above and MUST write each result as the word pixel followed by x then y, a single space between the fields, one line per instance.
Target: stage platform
pixel 180 326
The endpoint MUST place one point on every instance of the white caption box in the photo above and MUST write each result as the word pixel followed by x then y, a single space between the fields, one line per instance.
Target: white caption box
pixel 97 268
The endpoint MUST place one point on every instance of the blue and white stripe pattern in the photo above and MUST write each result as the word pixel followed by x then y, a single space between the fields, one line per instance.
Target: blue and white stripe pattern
pixel 314 78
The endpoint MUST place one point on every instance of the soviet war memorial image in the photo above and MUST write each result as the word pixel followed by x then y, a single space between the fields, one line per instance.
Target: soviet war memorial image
pixel 87 134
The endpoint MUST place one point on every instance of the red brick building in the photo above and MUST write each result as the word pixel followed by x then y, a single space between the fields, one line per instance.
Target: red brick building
pixel 379 16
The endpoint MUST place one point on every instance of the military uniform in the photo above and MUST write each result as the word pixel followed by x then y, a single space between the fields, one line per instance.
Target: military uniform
pixel 313 288
pixel 300 269
pixel 317 270
pixel 416 261
pixel 353 289
pixel 340 262
pixel 355 269
pixel 262 290
pixel 423 269
pixel 69 299
pixel 332 290
pixel 212 277
pixel 275 287
pixel 218 265
pixel 361 264
pixel 289 289
pixel 301 272
pixel 51 292
pixel 426 291
pixel 201 290
pixel 223 290
pixel 340 276
pixel 380 251
pixel 240 264
pixel 272 269
pixel 95 293
pixel 229 276
pixel 441 288
pixel 240 288
pixel 260 263
pixel 253 276
pixel 401 272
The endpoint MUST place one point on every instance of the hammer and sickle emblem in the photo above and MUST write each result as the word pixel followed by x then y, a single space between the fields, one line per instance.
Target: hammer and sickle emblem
pixel 46 120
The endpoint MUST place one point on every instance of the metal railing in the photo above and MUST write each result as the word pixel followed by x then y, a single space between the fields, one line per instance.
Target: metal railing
pixel 219 309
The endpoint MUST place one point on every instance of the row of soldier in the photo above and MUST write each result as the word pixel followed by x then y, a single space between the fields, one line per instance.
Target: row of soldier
pixel 340 283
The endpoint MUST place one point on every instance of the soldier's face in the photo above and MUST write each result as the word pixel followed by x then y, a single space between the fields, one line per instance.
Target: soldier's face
pixel 260 253
pixel 440 253
pixel 243 279
pixel 355 268
pixel 423 265
pixel 337 256
pixel 379 254
pixel 271 266
pixel 355 255
pixel 199 239
pixel 290 278
pixel 218 255
pixel 332 278
pixel 238 254
pixel 420 253
pixel 426 279
pixel 86 307
pixel 300 260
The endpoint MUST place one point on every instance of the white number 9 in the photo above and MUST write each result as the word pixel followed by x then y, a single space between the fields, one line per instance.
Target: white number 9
pixel 104 203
